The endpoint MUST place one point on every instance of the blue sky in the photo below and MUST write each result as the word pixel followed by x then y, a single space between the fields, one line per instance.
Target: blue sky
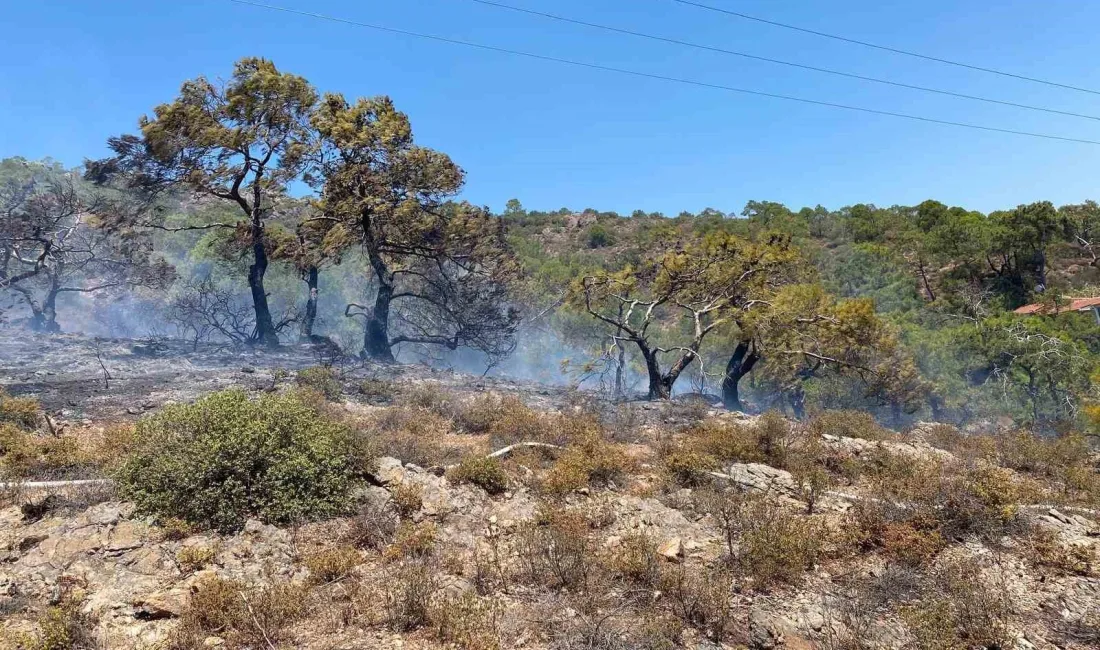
pixel 73 73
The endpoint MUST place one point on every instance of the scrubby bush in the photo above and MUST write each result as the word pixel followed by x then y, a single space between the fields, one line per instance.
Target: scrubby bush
pixel 430 397
pixel 411 435
pixel 20 411
pixel 377 389
pixel 62 627
pixel 408 499
pixel 413 541
pixel 557 549
pixel 245 616
pixel 322 379
pixel 374 527
pixel 332 563
pixel 26 455
pixel 687 468
pixel 225 459
pixel 486 473
pixel 590 460
pixel 193 558
pixel 765 441
pixel 407 593
pixel 849 424
pixel 960 608
pixel 469 622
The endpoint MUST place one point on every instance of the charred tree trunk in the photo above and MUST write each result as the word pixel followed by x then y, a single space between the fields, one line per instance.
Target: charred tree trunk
pixel 740 364
pixel 376 339
pixel 265 326
pixel 797 400
pixel 43 314
pixel 660 386
pixel 311 276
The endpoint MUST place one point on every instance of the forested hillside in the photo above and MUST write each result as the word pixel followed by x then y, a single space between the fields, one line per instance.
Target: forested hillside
pixel 262 212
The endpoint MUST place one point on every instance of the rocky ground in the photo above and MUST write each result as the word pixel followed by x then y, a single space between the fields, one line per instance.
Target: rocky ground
pixel 135 582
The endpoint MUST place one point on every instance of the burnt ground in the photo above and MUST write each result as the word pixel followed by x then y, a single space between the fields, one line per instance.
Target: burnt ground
pixel 77 377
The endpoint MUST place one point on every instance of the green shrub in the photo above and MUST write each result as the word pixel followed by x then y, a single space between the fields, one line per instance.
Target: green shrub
pixel 225 459
pixel 599 236
pixel 323 380
pixel 486 473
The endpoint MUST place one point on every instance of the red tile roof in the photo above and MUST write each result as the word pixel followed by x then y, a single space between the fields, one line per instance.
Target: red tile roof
pixel 1077 304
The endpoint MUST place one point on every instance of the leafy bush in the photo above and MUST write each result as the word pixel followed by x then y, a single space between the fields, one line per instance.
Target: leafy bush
pixel 225 459
pixel 599 236
pixel 486 473
pixel 323 380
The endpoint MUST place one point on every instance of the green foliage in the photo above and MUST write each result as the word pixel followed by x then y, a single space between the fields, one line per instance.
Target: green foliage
pixel 599 236
pixel 226 458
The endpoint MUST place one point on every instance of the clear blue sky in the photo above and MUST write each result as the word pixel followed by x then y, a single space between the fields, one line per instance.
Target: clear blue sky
pixel 74 72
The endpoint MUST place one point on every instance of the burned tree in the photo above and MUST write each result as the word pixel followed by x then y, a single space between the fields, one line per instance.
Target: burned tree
pixel 242 142
pixel 54 242
pixel 441 270
pixel 695 289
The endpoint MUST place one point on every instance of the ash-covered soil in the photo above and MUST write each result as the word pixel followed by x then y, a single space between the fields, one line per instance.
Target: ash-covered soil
pixel 77 377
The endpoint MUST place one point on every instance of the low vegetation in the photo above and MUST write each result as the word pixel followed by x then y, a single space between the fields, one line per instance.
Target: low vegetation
pixel 227 458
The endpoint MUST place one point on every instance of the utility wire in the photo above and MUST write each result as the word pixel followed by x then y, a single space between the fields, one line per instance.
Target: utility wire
pixel 659 77
pixel 884 48
pixel 754 57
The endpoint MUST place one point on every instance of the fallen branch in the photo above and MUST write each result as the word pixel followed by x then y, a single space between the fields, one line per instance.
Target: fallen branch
pixel 500 453
pixel 34 485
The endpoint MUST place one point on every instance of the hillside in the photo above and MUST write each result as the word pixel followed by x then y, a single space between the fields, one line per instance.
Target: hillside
pixel 628 525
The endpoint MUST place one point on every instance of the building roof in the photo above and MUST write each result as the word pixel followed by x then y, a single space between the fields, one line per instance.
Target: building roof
pixel 1077 304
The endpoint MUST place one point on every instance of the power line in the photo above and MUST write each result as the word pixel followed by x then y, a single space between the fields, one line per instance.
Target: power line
pixel 648 75
pixel 754 57
pixel 885 48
